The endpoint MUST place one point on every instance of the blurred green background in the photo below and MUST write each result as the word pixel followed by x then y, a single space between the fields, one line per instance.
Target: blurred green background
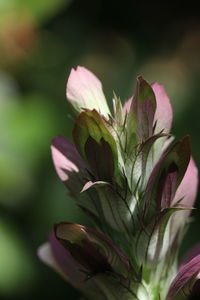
pixel 40 41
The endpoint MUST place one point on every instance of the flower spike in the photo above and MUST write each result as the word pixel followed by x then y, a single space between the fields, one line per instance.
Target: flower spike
pixel 137 188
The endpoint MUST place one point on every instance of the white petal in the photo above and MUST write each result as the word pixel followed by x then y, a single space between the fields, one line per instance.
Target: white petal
pixel 84 90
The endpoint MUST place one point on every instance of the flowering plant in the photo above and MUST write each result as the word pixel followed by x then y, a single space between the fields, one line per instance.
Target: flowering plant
pixel 137 188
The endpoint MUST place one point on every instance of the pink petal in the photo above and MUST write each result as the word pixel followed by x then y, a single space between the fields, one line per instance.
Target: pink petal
pixel 190 255
pixel 163 115
pixel 185 274
pixel 69 267
pixel 65 157
pixel 187 189
pixel 84 90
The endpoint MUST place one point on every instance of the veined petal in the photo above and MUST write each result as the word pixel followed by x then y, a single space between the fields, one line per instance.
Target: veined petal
pixel 96 145
pixel 72 171
pixel 167 176
pixel 185 276
pixel 91 249
pixel 84 91
pixel 65 157
pixel 163 114
pixel 185 195
pixel 46 255
pixel 82 264
pixel 113 211
pixel 154 241
pixel 187 189
pixel 190 255
pixel 57 257
pixel 65 261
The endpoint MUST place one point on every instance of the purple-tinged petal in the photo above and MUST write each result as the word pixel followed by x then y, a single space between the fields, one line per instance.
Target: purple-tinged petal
pixel 168 185
pixel 163 114
pixel 72 170
pixel 185 196
pixel 95 252
pixel 190 255
pixel 57 257
pixel 65 157
pixel 46 255
pixel 65 261
pixel 84 91
pixel 185 274
pixel 167 175
pixel 187 189
pixel 96 283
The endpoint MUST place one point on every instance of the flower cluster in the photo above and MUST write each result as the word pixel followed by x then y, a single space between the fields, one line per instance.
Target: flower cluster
pixel 138 186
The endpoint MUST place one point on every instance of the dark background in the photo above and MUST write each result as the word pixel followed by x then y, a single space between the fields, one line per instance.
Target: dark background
pixel 40 41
